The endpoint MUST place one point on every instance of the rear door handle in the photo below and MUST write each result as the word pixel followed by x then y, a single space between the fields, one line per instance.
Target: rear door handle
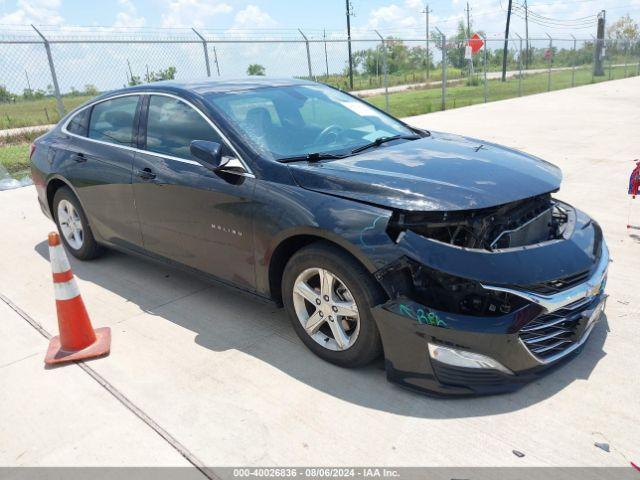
pixel 79 157
pixel 146 174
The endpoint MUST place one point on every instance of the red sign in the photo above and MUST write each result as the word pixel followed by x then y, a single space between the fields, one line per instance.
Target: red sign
pixel 475 43
pixel 548 54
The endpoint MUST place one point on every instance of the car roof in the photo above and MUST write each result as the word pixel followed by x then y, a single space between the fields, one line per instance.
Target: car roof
pixel 208 85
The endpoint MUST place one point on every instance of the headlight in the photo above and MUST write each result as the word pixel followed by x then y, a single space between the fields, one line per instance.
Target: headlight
pixel 445 292
pixel 516 224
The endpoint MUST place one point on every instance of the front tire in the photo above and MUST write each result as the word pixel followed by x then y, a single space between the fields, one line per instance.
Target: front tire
pixel 73 226
pixel 328 296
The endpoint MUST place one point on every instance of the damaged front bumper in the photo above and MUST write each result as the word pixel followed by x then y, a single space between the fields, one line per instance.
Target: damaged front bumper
pixel 440 352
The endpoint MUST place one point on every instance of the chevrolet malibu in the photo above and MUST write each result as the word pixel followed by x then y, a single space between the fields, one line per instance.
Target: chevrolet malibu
pixel 449 256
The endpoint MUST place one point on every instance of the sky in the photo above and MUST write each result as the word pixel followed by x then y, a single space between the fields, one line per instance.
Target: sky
pixel 385 15
pixel 108 66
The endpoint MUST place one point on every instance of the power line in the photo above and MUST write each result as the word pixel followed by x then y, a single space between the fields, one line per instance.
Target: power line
pixel 526 13
pixel 567 21
pixel 562 23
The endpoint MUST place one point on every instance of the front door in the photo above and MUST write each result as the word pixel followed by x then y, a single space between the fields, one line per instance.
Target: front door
pixel 188 213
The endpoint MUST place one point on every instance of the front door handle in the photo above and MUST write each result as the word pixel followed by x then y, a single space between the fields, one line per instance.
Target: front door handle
pixel 146 174
pixel 79 157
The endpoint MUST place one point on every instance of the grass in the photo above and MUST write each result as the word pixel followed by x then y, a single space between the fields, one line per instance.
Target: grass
pixel 35 112
pixel 14 151
pixel 419 101
pixel 15 158
pixel 365 81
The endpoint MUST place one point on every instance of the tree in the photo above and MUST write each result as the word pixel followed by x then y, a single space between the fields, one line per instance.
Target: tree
pixel 625 28
pixel 90 89
pixel 134 80
pixel 256 69
pixel 168 74
pixel 400 58
pixel 5 95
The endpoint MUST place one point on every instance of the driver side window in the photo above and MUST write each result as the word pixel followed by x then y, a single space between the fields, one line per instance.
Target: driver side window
pixel 172 125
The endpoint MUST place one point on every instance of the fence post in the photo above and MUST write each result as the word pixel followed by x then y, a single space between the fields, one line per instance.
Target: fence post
pixel 54 77
pixel 638 67
pixel 384 70
pixel 444 69
pixel 206 51
pixel 306 41
pixel 595 54
pixel 573 62
pixel 550 62
pixel 484 67
pixel 519 66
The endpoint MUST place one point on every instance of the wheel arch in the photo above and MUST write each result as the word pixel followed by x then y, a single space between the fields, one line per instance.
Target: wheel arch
pixel 54 184
pixel 288 246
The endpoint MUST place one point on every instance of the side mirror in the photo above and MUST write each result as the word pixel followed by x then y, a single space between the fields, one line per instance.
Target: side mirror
pixel 208 154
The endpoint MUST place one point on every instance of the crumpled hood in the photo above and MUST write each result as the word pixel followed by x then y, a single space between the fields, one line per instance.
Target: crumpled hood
pixel 440 172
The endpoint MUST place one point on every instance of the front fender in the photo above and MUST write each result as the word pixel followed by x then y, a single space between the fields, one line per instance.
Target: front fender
pixel 285 211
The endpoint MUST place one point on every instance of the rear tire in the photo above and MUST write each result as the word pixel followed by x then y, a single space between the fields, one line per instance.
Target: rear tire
pixel 73 226
pixel 322 283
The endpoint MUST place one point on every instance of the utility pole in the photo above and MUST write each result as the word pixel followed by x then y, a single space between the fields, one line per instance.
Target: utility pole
pixel 526 32
pixel 426 12
pixel 468 23
pixel 28 82
pixel 444 69
pixel 215 59
pixel 326 58
pixel 469 38
pixel 506 45
pixel 349 13
pixel 598 71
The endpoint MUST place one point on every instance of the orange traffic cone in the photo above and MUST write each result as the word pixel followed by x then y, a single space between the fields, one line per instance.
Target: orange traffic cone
pixel 77 339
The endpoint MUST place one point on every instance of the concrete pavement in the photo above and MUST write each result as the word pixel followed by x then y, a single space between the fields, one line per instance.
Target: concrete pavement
pixel 59 417
pixel 15 131
pixel 226 376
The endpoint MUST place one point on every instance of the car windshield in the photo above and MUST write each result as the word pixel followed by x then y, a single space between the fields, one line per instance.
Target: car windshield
pixel 292 121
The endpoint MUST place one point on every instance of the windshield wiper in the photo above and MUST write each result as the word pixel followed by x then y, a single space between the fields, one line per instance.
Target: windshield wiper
pixel 310 157
pixel 379 141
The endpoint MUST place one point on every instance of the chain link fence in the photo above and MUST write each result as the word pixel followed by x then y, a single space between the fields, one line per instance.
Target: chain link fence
pixel 45 71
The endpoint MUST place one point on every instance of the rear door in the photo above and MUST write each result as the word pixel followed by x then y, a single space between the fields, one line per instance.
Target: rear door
pixel 188 213
pixel 98 161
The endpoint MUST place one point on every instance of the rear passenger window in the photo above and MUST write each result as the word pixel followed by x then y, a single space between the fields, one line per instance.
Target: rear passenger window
pixel 172 125
pixel 112 120
pixel 79 123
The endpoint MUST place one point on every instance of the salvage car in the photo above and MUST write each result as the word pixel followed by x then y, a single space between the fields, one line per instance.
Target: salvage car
pixel 448 256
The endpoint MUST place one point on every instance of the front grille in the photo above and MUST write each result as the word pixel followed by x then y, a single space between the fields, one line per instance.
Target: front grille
pixel 554 286
pixel 552 333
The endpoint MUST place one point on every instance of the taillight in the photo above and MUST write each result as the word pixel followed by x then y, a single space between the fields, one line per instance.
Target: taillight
pixel 32 150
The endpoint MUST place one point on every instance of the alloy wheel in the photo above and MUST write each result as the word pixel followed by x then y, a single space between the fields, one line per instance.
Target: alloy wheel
pixel 326 309
pixel 70 224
